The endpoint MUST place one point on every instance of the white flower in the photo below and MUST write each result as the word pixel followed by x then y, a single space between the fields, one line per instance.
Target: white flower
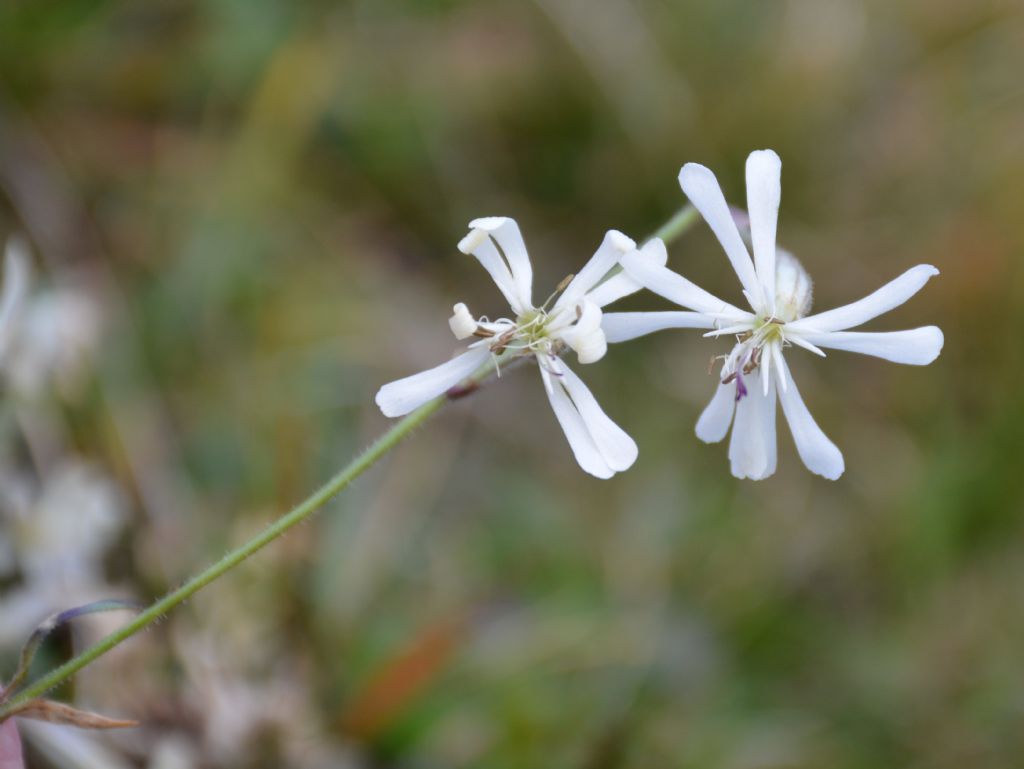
pixel 60 537
pixel 778 291
pixel 600 446
pixel 58 333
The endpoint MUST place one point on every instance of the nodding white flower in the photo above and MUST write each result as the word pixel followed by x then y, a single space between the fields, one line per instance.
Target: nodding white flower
pixel 778 290
pixel 546 332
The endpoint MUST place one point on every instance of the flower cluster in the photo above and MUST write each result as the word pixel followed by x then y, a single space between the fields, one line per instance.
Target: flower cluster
pixel 754 374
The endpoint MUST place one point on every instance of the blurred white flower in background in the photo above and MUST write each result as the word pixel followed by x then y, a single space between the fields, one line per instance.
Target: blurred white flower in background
pixel 58 536
pixel 600 446
pixel 57 336
pixel 46 339
pixel 778 291
pixel 57 522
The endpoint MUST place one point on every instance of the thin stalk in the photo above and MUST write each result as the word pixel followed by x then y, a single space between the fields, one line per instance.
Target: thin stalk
pixel 384 444
pixel 683 219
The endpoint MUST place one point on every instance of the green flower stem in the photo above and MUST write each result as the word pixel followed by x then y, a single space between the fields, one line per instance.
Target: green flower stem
pixel 389 440
pixel 684 218
pixel 401 430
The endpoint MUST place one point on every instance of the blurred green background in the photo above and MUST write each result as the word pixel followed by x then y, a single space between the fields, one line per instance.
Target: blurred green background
pixel 262 199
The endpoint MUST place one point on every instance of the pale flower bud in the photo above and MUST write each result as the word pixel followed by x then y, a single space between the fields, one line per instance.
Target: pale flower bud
pixel 462 324
pixel 792 287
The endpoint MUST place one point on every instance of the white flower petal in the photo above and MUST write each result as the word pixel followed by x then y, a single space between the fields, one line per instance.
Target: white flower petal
pixel 818 453
pixel 608 254
pixel 400 397
pixel 591 347
pixel 780 366
pixel 584 335
pixel 714 422
pixel 580 441
pixel 479 244
pixel 16 280
pixel 618 286
pixel 891 295
pixel 752 448
pixel 767 353
pixel 916 347
pixel 674 287
pixel 590 317
pixel 738 328
pixel 623 326
pixel 794 291
pixel 616 447
pixel 799 341
pixel 462 323
pixel 764 191
pixel 701 187
pixel 506 233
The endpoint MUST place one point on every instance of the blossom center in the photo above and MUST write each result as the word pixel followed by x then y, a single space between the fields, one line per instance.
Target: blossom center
pixel 531 331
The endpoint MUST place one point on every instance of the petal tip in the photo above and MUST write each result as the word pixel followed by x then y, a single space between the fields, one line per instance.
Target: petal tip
pixel 489 223
pixel 385 404
pixel 472 241
pixel 630 453
pixel 655 251
pixel 767 156
pixel 692 172
pixel 833 468
pixel 937 341
pixel 621 241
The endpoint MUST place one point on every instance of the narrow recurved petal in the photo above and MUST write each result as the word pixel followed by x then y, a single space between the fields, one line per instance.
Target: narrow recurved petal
pixel 505 232
pixel 674 287
pixel 818 453
pixel 701 187
pixel 889 296
pixel 617 449
pixel 586 336
pixel 623 284
pixel 608 254
pixel 623 326
pixel 764 191
pixel 400 397
pixel 714 421
pixel 916 347
pixel 752 448
pixel 479 244
pixel 580 441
